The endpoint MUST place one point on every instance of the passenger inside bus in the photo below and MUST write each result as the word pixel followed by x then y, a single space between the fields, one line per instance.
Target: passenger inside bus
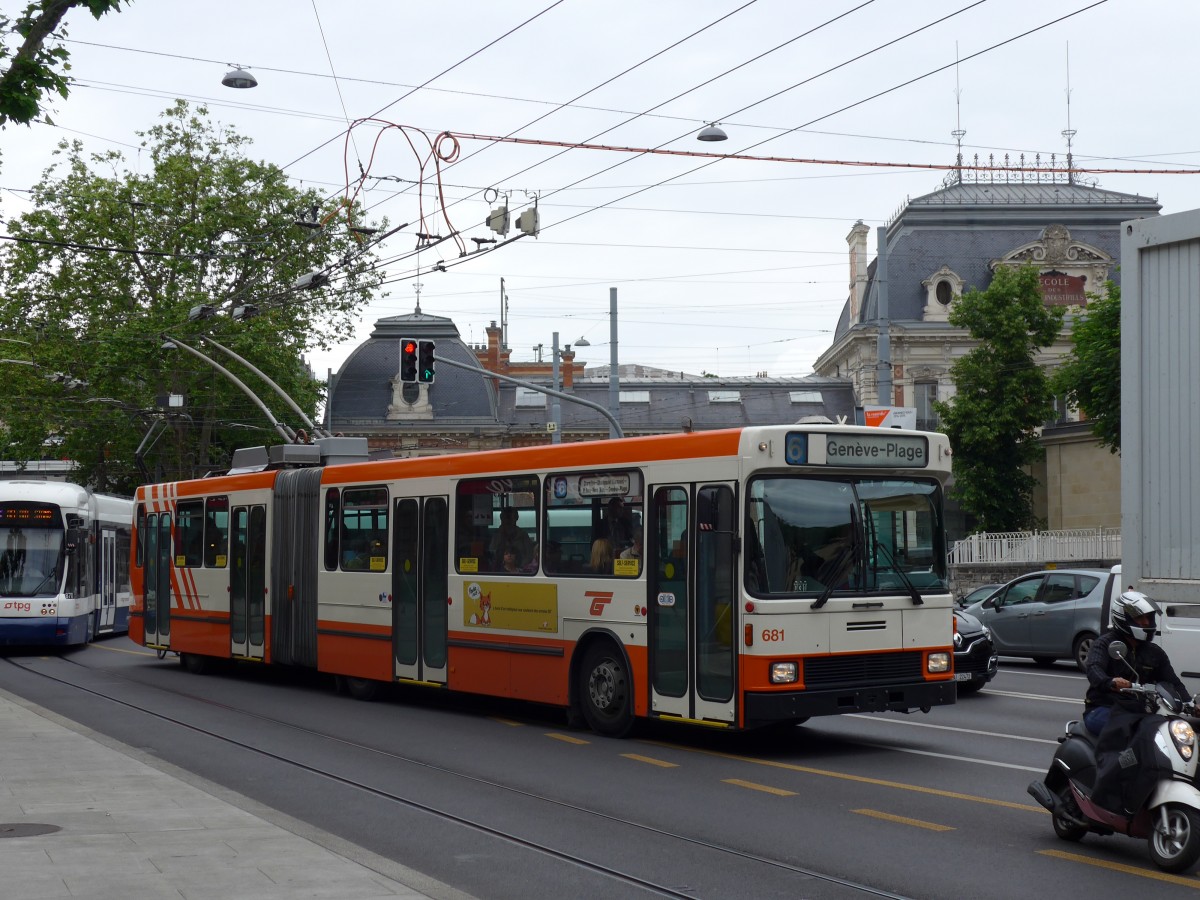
pixel 618 524
pixel 602 556
pixel 511 537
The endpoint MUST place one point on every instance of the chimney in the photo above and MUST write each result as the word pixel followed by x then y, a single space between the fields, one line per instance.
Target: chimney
pixel 857 239
pixel 493 347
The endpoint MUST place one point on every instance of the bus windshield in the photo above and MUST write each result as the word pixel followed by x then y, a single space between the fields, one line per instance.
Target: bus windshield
pixel 816 536
pixel 29 561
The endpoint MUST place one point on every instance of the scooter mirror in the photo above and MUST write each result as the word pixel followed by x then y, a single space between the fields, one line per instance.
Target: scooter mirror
pixel 1117 650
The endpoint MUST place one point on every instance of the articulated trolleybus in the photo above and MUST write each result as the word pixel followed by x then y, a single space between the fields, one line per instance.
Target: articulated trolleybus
pixel 64 563
pixel 732 578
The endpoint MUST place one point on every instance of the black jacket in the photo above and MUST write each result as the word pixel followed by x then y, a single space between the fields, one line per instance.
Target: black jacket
pixel 1149 660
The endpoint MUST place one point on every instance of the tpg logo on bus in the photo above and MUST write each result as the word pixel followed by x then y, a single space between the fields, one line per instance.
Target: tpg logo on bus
pixel 885 450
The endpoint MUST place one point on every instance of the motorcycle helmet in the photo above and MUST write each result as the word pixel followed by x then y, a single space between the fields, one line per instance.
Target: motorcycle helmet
pixel 1133 605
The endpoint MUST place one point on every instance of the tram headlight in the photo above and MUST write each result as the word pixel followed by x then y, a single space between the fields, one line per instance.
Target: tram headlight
pixel 1184 737
pixel 938 662
pixel 784 673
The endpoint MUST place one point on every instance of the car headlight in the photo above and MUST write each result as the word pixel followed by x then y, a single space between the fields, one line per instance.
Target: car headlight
pixel 784 673
pixel 939 662
pixel 1184 736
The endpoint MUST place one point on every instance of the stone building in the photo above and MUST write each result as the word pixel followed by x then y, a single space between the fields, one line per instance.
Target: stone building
pixel 953 239
pixel 466 409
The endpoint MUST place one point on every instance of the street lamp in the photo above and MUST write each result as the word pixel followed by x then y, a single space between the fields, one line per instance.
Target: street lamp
pixel 239 78
pixel 712 132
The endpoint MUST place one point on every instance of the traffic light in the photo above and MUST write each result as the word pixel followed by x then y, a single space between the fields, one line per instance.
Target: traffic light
pixel 425 361
pixel 408 360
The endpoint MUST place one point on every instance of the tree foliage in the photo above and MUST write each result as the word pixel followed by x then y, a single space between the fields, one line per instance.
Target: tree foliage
pixel 1091 376
pixel 109 260
pixel 39 67
pixel 1001 398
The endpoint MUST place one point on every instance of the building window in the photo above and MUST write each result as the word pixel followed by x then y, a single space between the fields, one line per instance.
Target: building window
pixel 724 396
pixel 527 398
pixel 924 396
pixel 945 293
pixel 805 396
pixel 634 397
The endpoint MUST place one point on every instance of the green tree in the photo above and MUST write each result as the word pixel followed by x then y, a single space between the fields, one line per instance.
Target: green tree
pixel 109 260
pixel 38 67
pixel 1001 397
pixel 1091 376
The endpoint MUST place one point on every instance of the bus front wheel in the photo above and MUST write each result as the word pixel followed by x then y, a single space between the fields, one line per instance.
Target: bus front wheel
pixel 606 694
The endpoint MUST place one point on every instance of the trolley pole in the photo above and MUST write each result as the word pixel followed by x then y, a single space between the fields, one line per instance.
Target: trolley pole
pixel 615 426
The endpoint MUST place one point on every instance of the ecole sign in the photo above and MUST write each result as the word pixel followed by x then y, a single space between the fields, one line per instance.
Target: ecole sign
pixel 1059 289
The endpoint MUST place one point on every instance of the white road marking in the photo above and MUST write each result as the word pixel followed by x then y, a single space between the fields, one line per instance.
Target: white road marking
pixel 1011 737
pixel 1077 701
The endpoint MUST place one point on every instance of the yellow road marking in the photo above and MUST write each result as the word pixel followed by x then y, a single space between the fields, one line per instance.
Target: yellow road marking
pixel 123 650
pixel 505 721
pixel 862 779
pixel 903 820
pixel 1121 867
pixel 650 759
pixel 566 738
pixel 766 789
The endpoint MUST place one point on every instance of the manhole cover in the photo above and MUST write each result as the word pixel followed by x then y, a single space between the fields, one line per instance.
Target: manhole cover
pixel 31 829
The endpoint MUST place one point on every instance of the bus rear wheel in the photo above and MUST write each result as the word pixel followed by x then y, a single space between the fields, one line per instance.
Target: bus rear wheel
pixel 365 689
pixel 606 694
pixel 194 663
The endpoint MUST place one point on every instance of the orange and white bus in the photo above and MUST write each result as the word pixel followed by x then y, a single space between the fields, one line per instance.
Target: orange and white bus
pixel 733 578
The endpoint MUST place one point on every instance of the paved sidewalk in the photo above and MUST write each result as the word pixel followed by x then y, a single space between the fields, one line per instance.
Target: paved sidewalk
pixel 87 818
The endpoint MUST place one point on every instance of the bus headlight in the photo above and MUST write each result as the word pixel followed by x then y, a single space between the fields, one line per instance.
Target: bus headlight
pixel 784 673
pixel 1184 736
pixel 939 662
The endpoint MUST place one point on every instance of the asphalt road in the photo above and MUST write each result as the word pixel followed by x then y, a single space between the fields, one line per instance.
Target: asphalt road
pixel 503 800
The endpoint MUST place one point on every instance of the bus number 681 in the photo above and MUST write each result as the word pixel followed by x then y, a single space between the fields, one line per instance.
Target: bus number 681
pixel 772 634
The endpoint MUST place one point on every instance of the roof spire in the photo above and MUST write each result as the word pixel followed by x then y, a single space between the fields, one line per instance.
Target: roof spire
pixel 958 131
pixel 1069 133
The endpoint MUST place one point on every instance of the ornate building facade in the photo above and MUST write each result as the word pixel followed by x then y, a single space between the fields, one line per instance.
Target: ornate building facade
pixel 943 243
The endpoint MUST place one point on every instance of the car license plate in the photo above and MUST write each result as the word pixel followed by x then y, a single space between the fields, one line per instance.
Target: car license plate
pixel 962 676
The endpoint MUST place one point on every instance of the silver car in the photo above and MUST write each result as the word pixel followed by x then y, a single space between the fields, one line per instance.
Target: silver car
pixel 1049 615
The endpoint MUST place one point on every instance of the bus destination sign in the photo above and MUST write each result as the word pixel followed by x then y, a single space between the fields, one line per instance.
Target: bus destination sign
pixel 885 450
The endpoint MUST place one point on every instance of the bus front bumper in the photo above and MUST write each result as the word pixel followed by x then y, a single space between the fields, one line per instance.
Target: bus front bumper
pixel 763 708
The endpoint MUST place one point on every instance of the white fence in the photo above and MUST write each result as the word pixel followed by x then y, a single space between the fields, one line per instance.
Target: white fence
pixel 1038 546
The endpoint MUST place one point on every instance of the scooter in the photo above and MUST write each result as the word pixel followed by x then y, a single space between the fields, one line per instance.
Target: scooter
pixel 1170 817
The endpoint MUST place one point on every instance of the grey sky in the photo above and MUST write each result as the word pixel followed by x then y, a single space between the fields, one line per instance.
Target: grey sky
pixel 735 268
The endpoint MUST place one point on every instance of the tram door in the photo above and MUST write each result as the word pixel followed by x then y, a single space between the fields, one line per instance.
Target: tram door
pixel 247 581
pixel 420 554
pixel 106 602
pixel 693 615
pixel 156 579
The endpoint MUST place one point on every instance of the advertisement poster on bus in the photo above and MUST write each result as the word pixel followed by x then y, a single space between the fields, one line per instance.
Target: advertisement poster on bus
pixel 513 607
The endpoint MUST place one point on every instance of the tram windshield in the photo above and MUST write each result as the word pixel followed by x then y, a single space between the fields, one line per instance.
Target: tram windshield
pixel 827 536
pixel 31 542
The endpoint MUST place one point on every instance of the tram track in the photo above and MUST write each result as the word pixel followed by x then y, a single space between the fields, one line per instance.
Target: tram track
pixel 508 836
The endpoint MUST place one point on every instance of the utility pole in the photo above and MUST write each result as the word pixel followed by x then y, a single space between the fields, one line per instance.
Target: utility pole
pixel 555 408
pixel 614 380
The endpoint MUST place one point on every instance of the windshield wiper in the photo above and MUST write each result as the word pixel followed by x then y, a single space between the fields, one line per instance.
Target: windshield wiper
pixel 904 579
pixel 840 565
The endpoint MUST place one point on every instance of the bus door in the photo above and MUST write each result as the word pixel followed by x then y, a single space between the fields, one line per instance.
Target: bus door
pixel 156 579
pixel 247 581
pixel 106 602
pixel 692 613
pixel 420 554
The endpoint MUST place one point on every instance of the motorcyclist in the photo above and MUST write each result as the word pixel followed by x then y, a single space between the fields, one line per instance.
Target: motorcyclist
pixel 1127 762
pixel 1134 621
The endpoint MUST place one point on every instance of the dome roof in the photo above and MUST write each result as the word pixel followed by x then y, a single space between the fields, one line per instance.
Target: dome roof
pixel 362 390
